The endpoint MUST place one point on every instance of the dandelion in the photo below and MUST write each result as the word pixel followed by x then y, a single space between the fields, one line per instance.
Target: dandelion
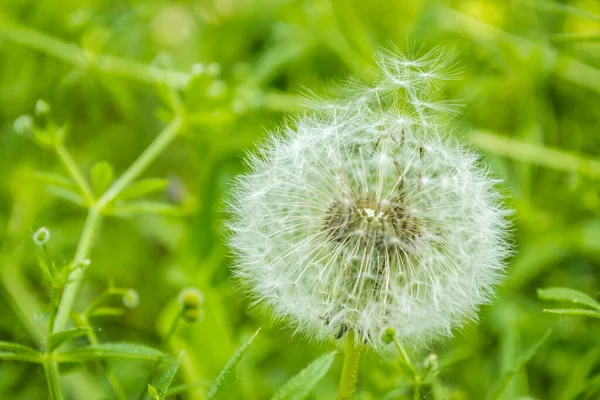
pixel 367 216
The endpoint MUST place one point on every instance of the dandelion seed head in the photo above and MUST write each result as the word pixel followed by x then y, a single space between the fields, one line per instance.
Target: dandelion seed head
pixel 369 216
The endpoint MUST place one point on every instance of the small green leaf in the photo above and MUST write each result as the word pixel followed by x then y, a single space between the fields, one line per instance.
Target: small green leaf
pixel 145 207
pixel 298 387
pixel 19 352
pixel 569 295
pixel 49 178
pixel 142 188
pixel 109 351
pixel 57 339
pixel 500 385
pixel 574 311
pixel 107 312
pixel 167 378
pixel 102 176
pixel 153 393
pixel 230 366
pixel 67 194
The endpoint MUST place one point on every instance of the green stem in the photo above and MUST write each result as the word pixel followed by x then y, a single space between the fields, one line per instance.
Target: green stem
pixel 89 233
pixel 79 57
pixel 349 375
pixel 51 371
pixel 142 162
pixel 90 230
pixel 75 172
pixel 408 364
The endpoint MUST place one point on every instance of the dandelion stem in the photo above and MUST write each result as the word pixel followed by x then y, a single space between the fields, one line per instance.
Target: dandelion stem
pixel 349 375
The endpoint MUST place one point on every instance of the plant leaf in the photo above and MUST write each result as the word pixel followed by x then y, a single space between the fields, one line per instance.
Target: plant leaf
pixel 107 312
pixel 230 366
pixel 49 178
pixel 67 194
pixel 102 175
pixel 569 295
pixel 142 188
pixel 299 386
pixel 145 207
pixel 574 311
pixel 500 385
pixel 167 378
pixel 19 352
pixel 109 351
pixel 57 339
pixel 153 392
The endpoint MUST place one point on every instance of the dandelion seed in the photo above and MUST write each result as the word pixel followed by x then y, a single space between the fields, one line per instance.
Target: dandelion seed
pixel 366 216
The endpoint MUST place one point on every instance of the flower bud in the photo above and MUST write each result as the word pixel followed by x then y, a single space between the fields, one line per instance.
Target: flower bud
pixel 42 107
pixel 191 300
pixel 23 125
pixel 41 236
pixel 131 298
pixel 389 335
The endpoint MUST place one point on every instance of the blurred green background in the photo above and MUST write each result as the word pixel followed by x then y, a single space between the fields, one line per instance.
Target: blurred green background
pixel 530 95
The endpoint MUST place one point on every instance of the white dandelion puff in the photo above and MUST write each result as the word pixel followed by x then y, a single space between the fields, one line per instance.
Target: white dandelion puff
pixel 366 215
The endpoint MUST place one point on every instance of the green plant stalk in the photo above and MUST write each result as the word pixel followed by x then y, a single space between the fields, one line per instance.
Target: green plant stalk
pixel 408 363
pixel 79 57
pixel 51 372
pixel 143 161
pixel 349 376
pixel 91 227
pixel 89 233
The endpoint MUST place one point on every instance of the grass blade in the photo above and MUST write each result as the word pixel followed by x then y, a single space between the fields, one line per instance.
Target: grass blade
pixel 568 295
pixel 574 311
pixel 230 366
pixel 299 386
pixel 500 385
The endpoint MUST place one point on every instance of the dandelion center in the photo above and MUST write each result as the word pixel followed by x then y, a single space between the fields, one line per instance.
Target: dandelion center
pixel 362 225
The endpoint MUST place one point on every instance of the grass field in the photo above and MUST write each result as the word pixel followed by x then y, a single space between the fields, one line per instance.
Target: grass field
pixel 124 124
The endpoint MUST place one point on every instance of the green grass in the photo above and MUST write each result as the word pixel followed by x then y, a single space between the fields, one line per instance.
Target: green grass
pixel 152 108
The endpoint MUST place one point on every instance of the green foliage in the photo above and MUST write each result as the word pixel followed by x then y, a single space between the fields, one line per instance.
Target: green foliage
pixel 299 386
pixel 228 370
pixel 148 110
pixel 500 385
